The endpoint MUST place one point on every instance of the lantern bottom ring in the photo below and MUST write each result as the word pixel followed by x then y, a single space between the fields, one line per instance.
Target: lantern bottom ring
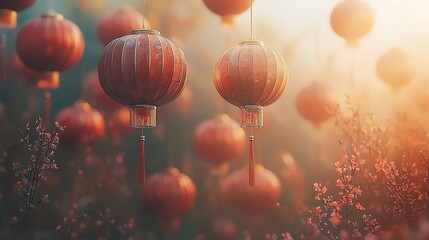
pixel 252 116
pixel 8 18
pixel 143 116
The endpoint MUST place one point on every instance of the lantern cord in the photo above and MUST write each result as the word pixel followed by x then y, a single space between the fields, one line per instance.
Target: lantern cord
pixel 251 21
pixel 251 159
pixel 143 12
pixel 47 109
pixel 3 57
pixel 142 172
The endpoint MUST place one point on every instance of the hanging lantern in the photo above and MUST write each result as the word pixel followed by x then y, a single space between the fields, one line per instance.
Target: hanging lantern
pixel 143 70
pixel 167 196
pixel 9 9
pixel 219 141
pixel 224 229
pixel 351 20
pixel 251 76
pixel 49 44
pixel 84 125
pixel 227 9
pixel 95 95
pixel 119 22
pixel 316 103
pixel 396 68
pixel 258 199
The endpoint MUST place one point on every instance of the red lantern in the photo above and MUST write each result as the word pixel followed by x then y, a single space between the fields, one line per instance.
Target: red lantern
pixel 143 70
pixel 119 22
pixel 316 103
pixel 219 141
pixel 251 76
pixel 263 196
pixel 49 44
pixel 84 125
pixel 396 68
pixel 31 77
pixel 167 196
pixel 351 20
pixel 224 229
pixel 228 8
pixel 9 9
pixel 94 93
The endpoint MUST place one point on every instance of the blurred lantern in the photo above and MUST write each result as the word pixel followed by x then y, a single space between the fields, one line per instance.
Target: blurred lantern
pixel 94 93
pixel 183 104
pixel 91 6
pixel 219 141
pixel 316 103
pixel 84 125
pixel 227 9
pixel 49 44
pixel 119 124
pixel 168 195
pixel 351 20
pixel 258 199
pixel 396 68
pixel 251 76
pixel 119 22
pixel 143 70
pixel 9 9
pixel 224 229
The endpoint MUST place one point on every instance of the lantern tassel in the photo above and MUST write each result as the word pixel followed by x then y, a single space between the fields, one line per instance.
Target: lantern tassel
pixel 47 109
pixel 142 173
pixel 251 157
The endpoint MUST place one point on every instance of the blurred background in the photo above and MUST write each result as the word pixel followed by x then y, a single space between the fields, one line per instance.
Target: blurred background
pixel 103 177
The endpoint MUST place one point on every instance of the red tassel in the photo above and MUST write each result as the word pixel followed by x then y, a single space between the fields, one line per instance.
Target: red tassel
pixel 47 109
pixel 251 157
pixel 142 174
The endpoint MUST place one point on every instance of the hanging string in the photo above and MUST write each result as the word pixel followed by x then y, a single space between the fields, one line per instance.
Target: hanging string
pixel 47 109
pixel 143 13
pixel 251 21
pixel 3 54
pixel 251 158
pixel 50 5
pixel 142 167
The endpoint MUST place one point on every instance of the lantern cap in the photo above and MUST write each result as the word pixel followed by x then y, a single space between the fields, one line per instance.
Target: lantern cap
pixel 145 31
pixel 53 14
pixel 252 42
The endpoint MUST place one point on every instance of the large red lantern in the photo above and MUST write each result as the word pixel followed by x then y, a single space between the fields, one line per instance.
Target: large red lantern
pixel 227 9
pixel 396 68
pixel 258 199
pixel 143 70
pixel 94 93
pixel 9 9
pixel 49 44
pixel 168 195
pixel 219 140
pixel 251 76
pixel 316 103
pixel 351 20
pixel 84 125
pixel 119 22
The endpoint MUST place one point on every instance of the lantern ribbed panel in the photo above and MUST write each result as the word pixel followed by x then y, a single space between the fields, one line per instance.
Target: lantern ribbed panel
pixel 50 43
pixel 16 5
pixel 251 74
pixel 143 68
